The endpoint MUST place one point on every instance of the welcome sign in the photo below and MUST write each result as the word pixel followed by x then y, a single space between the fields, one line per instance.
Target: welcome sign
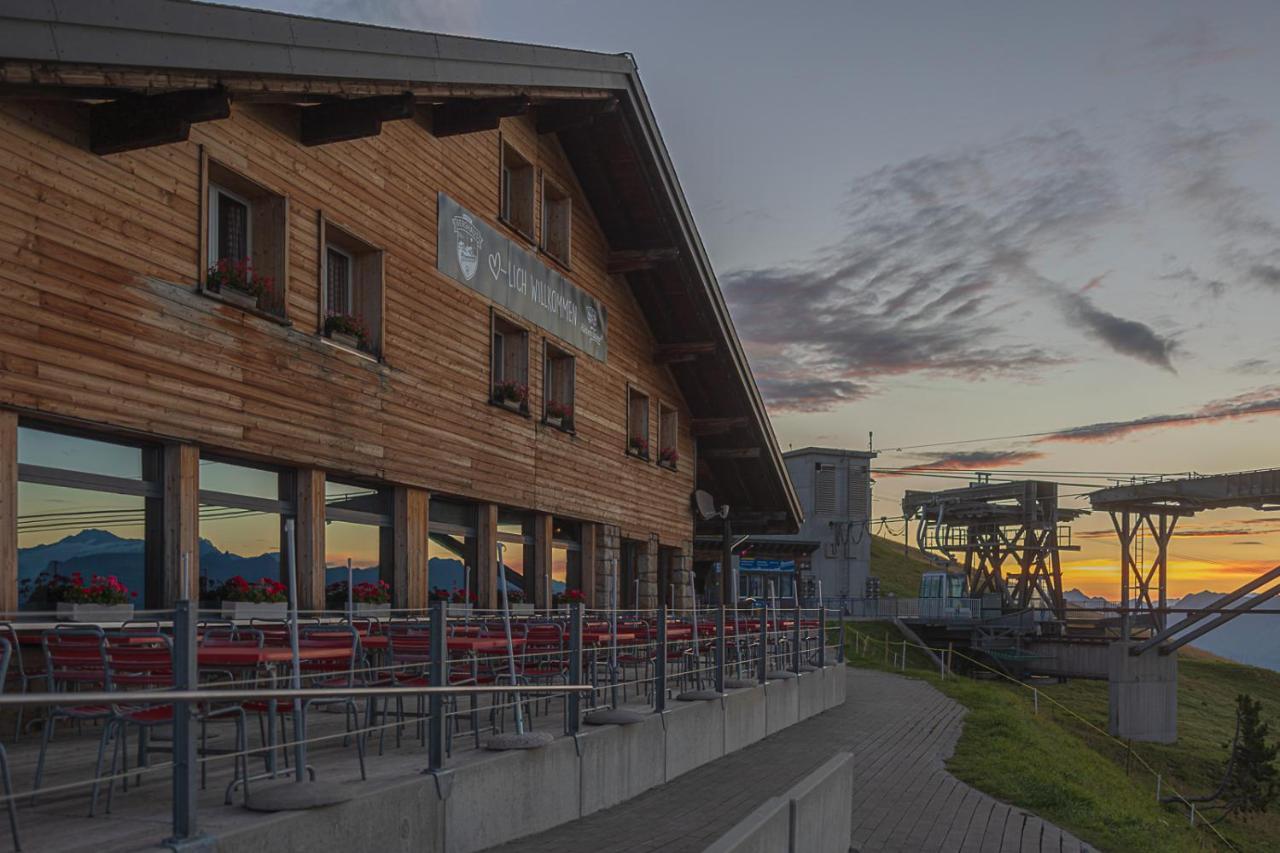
pixel 468 250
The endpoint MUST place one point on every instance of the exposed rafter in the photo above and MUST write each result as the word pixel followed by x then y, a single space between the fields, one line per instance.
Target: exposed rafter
pixel 630 260
pixel 143 121
pixel 355 118
pixel 672 353
pixel 715 426
pixel 566 115
pixel 472 115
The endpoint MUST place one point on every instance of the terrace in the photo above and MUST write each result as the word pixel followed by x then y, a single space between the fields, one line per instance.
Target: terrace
pixel 405 733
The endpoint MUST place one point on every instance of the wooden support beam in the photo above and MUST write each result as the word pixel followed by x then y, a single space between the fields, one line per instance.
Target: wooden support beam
pixel 674 353
pixel 181 512
pixel 309 529
pixel 410 511
pixel 566 115
pixel 487 556
pixel 143 121
pixel 354 118
pixel 541 560
pixel 8 512
pixel 716 426
pixel 630 260
pixel 588 562
pixel 729 452
pixel 472 115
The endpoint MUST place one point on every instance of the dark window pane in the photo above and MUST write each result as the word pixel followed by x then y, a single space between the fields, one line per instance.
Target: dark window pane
pixel 233 228
pixel 450 562
pixel 239 480
pixel 454 514
pixel 338 286
pixel 359 543
pixel 72 453
pixel 236 541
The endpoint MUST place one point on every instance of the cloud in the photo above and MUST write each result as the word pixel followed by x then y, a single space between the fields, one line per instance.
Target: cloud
pixel 457 17
pixel 798 394
pixel 935 258
pixel 1186 275
pixel 1262 401
pixel 969 460
pixel 1190 43
pixel 1095 282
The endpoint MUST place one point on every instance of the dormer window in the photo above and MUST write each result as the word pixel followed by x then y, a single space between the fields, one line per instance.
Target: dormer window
pixel 516 199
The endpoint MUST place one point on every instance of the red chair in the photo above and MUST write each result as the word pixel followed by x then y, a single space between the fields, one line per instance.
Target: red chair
pixel 75 659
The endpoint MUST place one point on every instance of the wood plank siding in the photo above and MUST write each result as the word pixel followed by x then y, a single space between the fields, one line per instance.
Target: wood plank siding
pixel 103 323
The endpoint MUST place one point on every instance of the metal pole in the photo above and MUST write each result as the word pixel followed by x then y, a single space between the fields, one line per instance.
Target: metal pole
pixel 299 714
pixel 720 655
pixel 697 648
pixel 186 784
pixel 764 641
pixel 511 652
pixel 660 664
pixel 795 638
pixel 436 670
pixel 728 589
pixel 822 633
pixel 574 716
pixel 351 593
pixel 904 656
pixel 840 651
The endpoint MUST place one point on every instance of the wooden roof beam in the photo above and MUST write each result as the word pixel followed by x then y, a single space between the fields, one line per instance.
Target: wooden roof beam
pixel 630 260
pixel 354 118
pixel 716 426
pixel 472 115
pixel 142 121
pixel 730 453
pixel 562 115
pixel 673 353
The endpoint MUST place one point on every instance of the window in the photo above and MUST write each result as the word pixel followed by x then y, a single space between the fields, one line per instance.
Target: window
pixel 859 492
pixel 246 242
pixel 87 507
pixel 358 538
pixel 558 389
pixel 242 513
pixel 510 365
pixel 515 532
pixel 557 221
pixel 824 488
pixel 566 557
pixel 637 423
pixel 350 290
pixel 451 547
pixel 516 191
pixel 668 437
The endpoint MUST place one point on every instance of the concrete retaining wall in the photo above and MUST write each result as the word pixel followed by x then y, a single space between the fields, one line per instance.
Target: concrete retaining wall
pixel 814 816
pixel 1143 692
pixel 491 798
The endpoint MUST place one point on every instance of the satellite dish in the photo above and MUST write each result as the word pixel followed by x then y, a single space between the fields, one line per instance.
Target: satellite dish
pixel 706 506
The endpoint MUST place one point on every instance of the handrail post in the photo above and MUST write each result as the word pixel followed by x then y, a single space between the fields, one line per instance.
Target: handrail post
pixel 660 663
pixel 796 634
pixel 186 784
pixel 573 716
pixel 438 668
pixel 720 652
pixel 763 658
pixel 822 636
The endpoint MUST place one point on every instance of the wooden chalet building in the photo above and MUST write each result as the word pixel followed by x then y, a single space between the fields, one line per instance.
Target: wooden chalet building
pixel 420 293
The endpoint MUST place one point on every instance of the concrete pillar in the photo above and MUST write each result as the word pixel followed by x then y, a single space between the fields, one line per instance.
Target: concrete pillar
pixel 682 577
pixel 1143 694
pixel 649 575
pixel 181 513
pixel 590 536
pixel 8 511
pixel 309 500
pixel 410 511
pixel 608 553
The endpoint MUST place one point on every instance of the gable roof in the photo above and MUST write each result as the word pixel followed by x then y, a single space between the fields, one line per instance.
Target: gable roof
pixel 618 155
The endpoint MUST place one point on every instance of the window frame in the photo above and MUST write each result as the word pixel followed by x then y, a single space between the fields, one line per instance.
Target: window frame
pixel 501 326
pixel 506 195
pixel 634 392
pixel 553 353
pixel 544 243
pixel 366 268
pixel 351 264
pixel 665 410
pixel 212 238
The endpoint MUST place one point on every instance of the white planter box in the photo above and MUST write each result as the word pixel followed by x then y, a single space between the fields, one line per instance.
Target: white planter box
pixel 238 297
pixel 255 610
pixel 94 612
pixel 382 611
pixel 521 608
pixel 346 340
pixel 459 609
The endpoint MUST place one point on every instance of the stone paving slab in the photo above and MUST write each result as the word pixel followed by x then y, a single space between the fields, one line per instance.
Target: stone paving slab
pixel 900 732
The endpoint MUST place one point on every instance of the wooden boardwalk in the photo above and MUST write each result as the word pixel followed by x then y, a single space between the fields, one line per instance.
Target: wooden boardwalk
pixel 900 732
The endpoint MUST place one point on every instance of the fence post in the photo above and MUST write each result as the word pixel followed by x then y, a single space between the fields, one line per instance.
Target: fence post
pixel 573 717
pixel 186 785
pixel 796 634
pixel 904 655
pixel 763 657
pixel 720 651
pixel 840 651
pixel 660 663
pixel 438 667
pixel 1159 781
pixel 1035 701
pixel 822 636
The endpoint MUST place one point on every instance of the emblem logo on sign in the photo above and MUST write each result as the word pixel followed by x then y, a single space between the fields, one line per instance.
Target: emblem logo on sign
pixel 468 240
pixel 593 322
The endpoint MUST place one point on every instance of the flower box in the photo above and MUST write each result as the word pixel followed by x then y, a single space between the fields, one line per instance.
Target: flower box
pixel 346 340
pixel 521 607
pixel 75 612
pixel 255 609
pixel 364 608
pixel 238 297
pixel 459 609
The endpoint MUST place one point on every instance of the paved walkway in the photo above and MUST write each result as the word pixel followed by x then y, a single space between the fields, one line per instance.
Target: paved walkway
pixel 900 732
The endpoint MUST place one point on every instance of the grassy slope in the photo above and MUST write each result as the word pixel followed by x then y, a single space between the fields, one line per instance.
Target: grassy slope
pixel 1069 773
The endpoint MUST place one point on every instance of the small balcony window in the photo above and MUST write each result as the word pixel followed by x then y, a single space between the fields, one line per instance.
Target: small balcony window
pixel 637 423
pixel 557 218
pixel 516 201
pixel 246 242
pixel 510 365
pixel 668 437
pixel 351 291
pixel 559 400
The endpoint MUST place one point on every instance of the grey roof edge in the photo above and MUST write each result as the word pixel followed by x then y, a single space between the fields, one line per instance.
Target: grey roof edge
pixel 831 451
pixel 198 36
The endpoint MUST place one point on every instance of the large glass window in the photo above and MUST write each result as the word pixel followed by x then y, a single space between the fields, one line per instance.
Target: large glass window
pixel 515 532
pixel 87 507
pixel 566 556
pixel 358 534
pixel 451 546
pixel 242 512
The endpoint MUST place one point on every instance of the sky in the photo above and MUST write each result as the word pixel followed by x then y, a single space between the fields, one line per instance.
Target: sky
pixel 945 224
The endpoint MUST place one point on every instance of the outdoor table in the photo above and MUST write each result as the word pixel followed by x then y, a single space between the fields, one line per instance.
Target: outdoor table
pixel 249 656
